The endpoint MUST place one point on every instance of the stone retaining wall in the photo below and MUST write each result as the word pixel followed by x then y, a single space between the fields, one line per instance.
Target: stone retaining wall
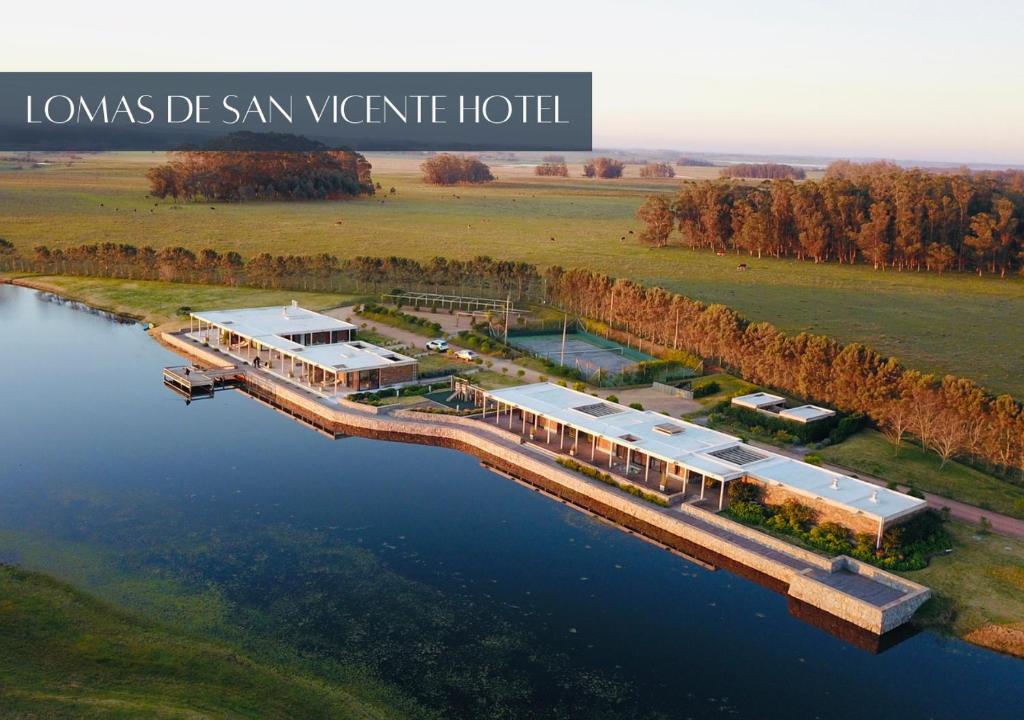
pixel 498 447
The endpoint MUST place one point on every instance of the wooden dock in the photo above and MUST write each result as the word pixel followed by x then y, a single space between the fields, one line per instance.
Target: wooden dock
pixel 194 382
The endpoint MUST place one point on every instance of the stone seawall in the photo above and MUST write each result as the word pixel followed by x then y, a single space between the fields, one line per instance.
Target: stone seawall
pixel 801 574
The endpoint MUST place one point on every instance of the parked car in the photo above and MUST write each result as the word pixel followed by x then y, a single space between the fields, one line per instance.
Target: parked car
pixel 438 345
pixel 467 355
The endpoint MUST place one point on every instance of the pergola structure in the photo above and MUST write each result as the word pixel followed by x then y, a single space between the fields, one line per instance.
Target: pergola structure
pixel 643 443
pixel 304 347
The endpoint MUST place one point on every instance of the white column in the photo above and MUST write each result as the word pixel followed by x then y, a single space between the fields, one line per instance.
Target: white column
pixel 647 468
pixel 611 453
pixel 881 531
pixel 561 436
pixel 593 447
pixel 721 495
pixel 702 483
pixel 629 459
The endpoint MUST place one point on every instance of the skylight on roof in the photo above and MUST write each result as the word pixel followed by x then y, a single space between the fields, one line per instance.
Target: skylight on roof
pixel 739 455
pixel 669 428
pixel 598 409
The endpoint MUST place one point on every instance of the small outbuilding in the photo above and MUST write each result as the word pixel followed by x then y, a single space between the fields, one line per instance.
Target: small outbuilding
pixel 759 401
pixel 806 414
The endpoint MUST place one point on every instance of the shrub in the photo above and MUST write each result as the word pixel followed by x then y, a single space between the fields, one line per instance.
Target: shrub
pixel 846 427
pixel 745 492
pixel 613 398
pixel 785 437
pixel 750 512
pixel 793 517
pixel 579 387
pixel 608 479
pixel 706 388
pixel 812 459
pixel 831 537
pixel 636 406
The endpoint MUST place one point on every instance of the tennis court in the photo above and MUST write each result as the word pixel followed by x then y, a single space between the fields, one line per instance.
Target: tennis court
pixel 588 353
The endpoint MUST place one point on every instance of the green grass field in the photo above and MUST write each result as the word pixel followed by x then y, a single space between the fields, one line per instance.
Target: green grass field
pixel 948 324
pixel 64 654
pixel 869 452
pixel 980 583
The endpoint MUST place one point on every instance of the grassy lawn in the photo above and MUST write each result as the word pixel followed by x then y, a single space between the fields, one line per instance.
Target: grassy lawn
pixel 981 583
pixel 492 380
pixel 573 221
pixel 869 452
pixel 730 386
pixel 158 302
pixel 64 654
pixel 434 362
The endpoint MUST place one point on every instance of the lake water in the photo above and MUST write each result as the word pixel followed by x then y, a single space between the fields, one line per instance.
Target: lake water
pixel 471 593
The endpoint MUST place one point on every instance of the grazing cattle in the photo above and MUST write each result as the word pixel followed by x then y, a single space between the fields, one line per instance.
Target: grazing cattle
pixel 741 266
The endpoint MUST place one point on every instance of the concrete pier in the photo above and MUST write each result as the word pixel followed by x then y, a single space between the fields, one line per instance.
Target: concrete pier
pixel 861 595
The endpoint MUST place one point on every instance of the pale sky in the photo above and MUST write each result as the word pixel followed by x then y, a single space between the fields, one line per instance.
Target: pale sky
pixel 900 79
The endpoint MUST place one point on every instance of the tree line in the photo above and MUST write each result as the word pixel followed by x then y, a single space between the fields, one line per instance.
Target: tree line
pixel 763 171
pixel 949 415
pixel 879 213
pixel 321 272
pixel 236 175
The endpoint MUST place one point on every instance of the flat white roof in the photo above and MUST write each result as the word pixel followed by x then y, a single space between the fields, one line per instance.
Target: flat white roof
pixel 349 356
pixel 806 413
pixel 269 325
pixel 758 400
pixel 702 449
pixel 277 320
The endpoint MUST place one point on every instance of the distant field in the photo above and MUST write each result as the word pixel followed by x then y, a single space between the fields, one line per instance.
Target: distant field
pixel 961 324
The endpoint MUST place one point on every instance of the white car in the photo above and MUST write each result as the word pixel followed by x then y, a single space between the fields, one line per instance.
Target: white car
pixel 437 345
pixel 467 355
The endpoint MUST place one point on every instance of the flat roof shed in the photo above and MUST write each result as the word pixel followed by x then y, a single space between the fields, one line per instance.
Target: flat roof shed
pixel 758 400
pixel 806 413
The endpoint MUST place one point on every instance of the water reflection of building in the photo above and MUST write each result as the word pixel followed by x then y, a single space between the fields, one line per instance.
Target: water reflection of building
pixel 305 348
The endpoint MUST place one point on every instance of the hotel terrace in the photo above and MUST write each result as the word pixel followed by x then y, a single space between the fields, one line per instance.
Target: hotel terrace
pixel 660 453
pixel 303 347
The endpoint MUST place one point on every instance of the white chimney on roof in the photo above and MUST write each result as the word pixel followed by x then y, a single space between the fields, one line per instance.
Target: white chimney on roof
pixel 874 496
pixel 835 483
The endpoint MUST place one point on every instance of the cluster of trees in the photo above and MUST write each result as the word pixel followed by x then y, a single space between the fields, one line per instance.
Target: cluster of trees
pixel 949 415
pixel 320 272
pixel 693 162
pixel 233 176
pixel 448 169
pixel 552 169
pixel 603 167
pixel 763 171
pixel 881 214
pixel 657 170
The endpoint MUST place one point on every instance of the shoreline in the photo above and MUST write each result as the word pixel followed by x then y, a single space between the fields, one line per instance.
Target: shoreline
pixel 802 576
